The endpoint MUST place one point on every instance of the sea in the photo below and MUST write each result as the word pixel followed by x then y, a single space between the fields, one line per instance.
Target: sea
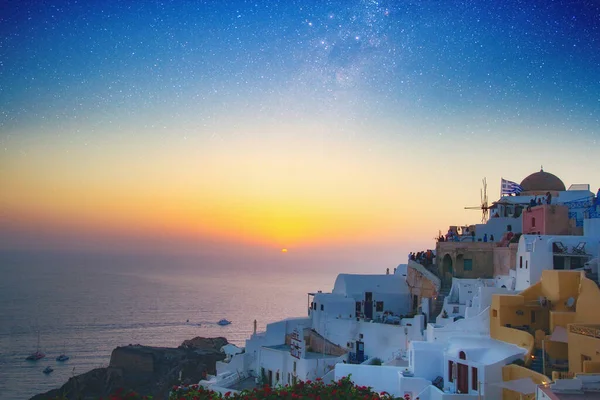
pixel 86 305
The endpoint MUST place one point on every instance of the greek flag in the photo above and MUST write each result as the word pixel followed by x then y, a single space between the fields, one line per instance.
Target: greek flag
pixel 510 187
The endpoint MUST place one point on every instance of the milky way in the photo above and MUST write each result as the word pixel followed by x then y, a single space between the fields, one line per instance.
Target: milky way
pixel 78 66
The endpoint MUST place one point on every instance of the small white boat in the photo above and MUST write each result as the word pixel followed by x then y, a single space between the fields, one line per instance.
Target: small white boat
pixel 48 370
pixel 224 322
pixel 63 356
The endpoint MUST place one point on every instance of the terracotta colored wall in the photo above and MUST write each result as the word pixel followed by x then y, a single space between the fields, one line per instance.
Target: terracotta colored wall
pixel 549 220
pixel 557 220
pixel 536 213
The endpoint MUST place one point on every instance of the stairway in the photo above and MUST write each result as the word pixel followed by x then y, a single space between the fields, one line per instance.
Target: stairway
pixel 439 302
pixel 537 364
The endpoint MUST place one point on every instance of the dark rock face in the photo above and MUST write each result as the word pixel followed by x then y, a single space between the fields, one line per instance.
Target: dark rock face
pixel 146 370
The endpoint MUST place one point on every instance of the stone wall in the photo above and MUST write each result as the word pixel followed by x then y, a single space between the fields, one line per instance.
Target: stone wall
pixel 451 256
pixel 505 259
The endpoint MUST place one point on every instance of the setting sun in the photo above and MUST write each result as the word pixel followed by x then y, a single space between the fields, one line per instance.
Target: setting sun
pixel 284 250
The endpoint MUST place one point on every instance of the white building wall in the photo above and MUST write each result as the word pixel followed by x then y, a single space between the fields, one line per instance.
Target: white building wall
pixel 329 306
pixel 497 227
pixel 412 386
pixel 535 254
pixel 591 227
pixel 508 281
pixel 483 300
pixel 493 374
pixel 271 360
pixel 274 335
pixel 478 325
pixel 383 341
pixel 427 361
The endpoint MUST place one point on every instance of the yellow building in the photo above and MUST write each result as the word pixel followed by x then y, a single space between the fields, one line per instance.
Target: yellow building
pixel 556 320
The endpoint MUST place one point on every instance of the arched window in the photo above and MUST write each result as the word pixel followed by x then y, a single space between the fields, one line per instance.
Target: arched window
pixel 462 355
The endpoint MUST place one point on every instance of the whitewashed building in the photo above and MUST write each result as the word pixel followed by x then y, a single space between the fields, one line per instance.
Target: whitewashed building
pixel 539 252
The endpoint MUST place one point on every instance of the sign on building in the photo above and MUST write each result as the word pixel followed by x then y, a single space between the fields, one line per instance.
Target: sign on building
pixel 297 345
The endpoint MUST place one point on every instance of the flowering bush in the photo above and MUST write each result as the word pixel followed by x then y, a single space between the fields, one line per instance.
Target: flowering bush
pixel 317 390
pixel 342 389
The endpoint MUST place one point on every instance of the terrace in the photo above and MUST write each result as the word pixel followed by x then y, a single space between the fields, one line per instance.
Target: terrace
pixel 590 330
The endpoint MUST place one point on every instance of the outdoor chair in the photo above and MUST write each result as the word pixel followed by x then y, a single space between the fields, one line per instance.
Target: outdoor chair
pixel 579 249
pixel 559 247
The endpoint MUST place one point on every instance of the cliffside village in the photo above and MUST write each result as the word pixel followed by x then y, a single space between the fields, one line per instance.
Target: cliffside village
pixel 504 309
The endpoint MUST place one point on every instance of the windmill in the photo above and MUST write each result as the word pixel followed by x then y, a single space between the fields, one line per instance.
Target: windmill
pixel 484 203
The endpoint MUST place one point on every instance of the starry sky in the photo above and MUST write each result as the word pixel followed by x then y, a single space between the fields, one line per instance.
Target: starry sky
pixel 350 129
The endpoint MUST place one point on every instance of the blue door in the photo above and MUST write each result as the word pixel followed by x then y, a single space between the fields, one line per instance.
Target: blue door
pixel 360 352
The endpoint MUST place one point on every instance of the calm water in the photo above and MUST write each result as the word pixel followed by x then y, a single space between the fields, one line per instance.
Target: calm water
pixel 88 306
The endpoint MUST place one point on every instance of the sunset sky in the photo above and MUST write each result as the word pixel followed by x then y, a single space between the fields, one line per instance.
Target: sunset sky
pixel 348 129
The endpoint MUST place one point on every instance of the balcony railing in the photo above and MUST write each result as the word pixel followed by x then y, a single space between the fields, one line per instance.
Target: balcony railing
pixel 586 330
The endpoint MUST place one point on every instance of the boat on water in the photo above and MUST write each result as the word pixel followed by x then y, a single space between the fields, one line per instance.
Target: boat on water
pixel 224 322
pixel 38 355
pixel 48 370
pixel 62 356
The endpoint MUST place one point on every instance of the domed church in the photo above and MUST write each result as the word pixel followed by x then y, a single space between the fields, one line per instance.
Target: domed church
pixel 539 183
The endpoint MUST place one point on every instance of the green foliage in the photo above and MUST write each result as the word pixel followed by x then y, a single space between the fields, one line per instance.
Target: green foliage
pixel 376 361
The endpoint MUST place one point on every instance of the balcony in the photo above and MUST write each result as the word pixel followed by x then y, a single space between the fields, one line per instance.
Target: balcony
pixel 585 330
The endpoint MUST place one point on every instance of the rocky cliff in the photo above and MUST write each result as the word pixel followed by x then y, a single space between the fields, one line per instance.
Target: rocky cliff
pixel 146 370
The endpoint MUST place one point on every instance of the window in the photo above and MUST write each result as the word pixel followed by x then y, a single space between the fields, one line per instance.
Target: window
pixel 294 367
pixel 277 377
pixel 526 264
pixel 379 306
pixel 462 355
pixel 521 262
pixel 314 306
pixel 322 307
pixel 450 371
pixel 474 379
pixel 468 264
pixel 533 222
pixel 532 317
